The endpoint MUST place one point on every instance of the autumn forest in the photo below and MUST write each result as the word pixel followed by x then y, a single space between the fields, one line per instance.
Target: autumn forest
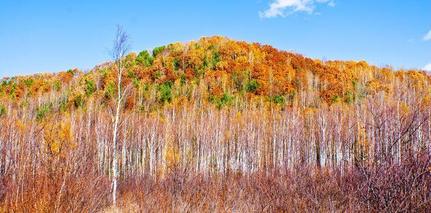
pixel 216 125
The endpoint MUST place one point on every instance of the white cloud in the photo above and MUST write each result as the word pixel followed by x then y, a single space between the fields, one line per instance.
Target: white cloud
pixel 286 7
pixel 427 37
pixel 427 67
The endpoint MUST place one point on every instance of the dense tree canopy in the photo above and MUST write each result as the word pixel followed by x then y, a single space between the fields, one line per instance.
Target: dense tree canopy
pixel 220 67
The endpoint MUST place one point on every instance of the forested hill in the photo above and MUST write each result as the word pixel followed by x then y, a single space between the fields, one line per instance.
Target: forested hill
pixel 217 125
pixel 215 70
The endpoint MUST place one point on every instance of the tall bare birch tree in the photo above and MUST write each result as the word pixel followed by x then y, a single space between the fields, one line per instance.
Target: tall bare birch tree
pixel 120 48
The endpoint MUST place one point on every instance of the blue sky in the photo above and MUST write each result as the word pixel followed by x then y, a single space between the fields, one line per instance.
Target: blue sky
pixel 55 35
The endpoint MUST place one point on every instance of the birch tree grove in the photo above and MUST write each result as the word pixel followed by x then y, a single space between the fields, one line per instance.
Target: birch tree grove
pixel 216 125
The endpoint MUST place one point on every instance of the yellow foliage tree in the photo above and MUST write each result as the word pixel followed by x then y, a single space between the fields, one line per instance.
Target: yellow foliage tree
pixel 58 137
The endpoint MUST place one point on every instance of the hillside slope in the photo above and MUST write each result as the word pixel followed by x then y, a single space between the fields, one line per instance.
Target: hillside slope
pixel 218 125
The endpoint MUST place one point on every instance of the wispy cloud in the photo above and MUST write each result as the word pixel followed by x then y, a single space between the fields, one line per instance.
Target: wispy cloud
pixel 427 67
pixel 285 7
pixel 427 37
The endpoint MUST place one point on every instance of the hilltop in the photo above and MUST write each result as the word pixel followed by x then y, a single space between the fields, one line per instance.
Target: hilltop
pixel 222 71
